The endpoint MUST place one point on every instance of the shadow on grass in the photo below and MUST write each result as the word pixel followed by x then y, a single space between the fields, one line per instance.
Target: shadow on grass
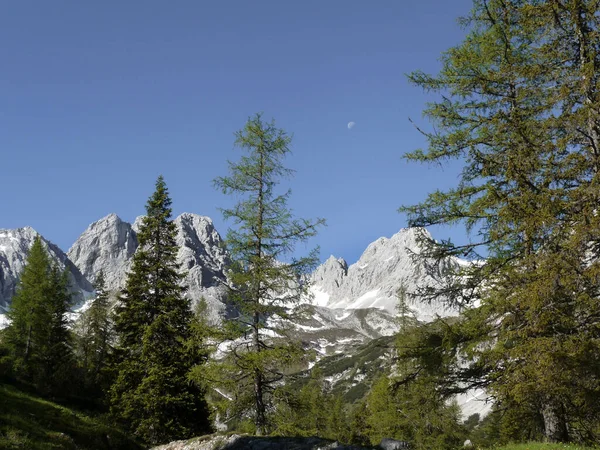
pixel 29 422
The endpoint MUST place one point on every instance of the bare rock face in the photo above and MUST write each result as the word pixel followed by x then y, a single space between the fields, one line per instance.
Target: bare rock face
pixel 373 281
pixel 107 245
pixel 331 274
pixel 203 257
pixel 14 248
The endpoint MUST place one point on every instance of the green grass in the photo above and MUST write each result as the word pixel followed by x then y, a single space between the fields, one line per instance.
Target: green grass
pixel 542 446
pixel 30 422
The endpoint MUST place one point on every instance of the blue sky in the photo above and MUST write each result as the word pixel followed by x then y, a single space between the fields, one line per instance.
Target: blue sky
pixel 99 98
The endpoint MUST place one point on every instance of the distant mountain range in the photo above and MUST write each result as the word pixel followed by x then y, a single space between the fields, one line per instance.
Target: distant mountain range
pixel 109 244
pixel 357 301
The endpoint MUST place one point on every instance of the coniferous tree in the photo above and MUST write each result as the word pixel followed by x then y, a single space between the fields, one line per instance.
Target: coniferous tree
pixel 520 109
pixel 38 338
pixel 57 356
pixel 151 394
pixel 413 412
pixel 26 312
pixel 263 286
pixel 95 335
pixel 304 411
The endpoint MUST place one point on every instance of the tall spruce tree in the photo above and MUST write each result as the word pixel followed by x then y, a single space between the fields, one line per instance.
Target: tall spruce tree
pixel 520 108
pixel 38 337
pixel 263 285
pixel 151 394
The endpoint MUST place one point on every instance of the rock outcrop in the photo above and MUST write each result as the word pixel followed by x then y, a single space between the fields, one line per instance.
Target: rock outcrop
pixel 330 275
pixel 244 442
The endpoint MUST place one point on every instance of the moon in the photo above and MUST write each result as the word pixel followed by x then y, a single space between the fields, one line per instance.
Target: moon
pixel 351 125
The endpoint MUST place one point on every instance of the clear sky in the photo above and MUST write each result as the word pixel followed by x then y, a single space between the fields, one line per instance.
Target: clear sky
pixel 99 98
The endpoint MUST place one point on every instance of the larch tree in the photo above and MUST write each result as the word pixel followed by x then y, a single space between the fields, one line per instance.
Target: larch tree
pixel 265 280
pixel 520 108
pixel 151 394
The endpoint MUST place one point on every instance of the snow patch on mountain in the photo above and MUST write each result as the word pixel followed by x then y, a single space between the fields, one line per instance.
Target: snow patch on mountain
pixel 475 401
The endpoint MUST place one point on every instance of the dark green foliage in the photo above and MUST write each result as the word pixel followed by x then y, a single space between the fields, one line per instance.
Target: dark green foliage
pixel 413 412
pixel 310 411
pixel 38 340
pixel 94 336
pixel 367 362
pixel 262 284
pixel 151 394
pixel 472 422
pixel 505 425
pixel 408 404
pixel 519 107
pixel 359 428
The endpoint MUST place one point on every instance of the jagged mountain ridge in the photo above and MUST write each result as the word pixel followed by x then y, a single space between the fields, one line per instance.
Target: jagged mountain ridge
pixel 110 243
pixel 373 281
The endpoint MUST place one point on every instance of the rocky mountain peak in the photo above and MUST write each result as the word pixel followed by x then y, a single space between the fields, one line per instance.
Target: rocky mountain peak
pixel 194 230
pixel 202 255
pixel 108 245
pixel 329 276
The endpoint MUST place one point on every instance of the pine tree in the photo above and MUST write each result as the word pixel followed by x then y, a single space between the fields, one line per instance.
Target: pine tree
pixel 151 394
pixel 520 109
pixel 38 337
pixel 263 285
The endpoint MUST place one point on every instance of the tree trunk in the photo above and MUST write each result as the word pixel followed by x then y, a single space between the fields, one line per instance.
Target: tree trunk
pixel 258 385
pixel 260 406
pixel 555 426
